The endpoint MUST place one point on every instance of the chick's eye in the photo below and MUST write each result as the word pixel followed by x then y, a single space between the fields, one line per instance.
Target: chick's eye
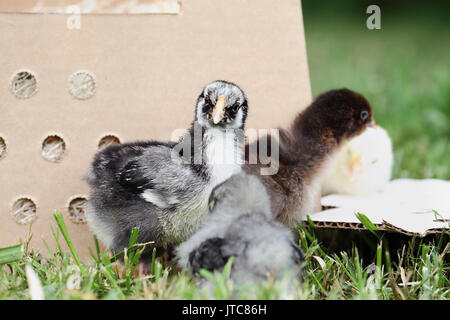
pixel 364 115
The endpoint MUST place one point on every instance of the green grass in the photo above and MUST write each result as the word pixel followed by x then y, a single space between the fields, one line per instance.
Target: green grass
pixel 417 271
pixel 404 71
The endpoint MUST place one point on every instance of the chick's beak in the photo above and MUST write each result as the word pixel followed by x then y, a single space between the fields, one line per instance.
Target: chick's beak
pixel 355 163
pixel 218 111
pixel 372 124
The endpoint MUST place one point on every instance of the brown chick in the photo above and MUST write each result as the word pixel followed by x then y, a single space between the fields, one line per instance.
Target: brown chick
pixel 304 148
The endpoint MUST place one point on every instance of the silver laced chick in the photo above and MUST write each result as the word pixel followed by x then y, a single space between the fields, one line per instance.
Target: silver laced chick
pixel 162 188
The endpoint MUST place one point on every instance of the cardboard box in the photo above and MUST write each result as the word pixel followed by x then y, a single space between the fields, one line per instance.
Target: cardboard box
pixel 91 6
pixel 132 76
pixel 409 206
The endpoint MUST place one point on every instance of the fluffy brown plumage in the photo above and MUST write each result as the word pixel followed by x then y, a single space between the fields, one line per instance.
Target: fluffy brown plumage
pixel 304 148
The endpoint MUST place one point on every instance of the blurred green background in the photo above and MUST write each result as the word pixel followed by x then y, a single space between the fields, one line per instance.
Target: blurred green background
pixel 402 69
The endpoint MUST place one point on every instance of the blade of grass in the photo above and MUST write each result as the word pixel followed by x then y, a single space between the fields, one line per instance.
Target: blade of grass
pixel 56 236
pixel 11 254
pixel 18 268
pixel 347 272
pixel 222 279
pixel 92 254
pixel 133 240
pixel 379 270
pixel 63 228
pixel 311 238
pixel 311 225
pixel 368 224
pixel 133 248
pixel 152 272
pixel 319 285
pixel 97 248
pixel 112 281
pixel 55 260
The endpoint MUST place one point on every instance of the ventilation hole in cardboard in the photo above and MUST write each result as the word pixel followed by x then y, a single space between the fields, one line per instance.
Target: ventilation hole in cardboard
pixel 53 148
pixel 82 84
pixel 2 147
pixel 108 140
pixel 24 84
pixel 77 210
pixel 24 210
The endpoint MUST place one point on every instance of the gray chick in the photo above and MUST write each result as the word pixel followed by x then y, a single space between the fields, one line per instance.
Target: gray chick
pixel 241 225
pixel 162 188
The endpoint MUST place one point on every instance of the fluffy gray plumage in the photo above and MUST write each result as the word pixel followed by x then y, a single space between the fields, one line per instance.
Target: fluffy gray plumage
pixel 161 188
pixel 241 224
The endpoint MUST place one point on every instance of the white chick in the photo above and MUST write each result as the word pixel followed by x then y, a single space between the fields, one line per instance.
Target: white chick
pixel 362 166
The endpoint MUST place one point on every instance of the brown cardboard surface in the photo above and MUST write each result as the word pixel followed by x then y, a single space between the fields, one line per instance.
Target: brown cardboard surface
pixel 149 70
pixel 91 6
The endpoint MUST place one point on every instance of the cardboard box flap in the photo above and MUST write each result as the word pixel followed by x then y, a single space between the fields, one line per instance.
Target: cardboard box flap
pixel 414 207
pixel 92 6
